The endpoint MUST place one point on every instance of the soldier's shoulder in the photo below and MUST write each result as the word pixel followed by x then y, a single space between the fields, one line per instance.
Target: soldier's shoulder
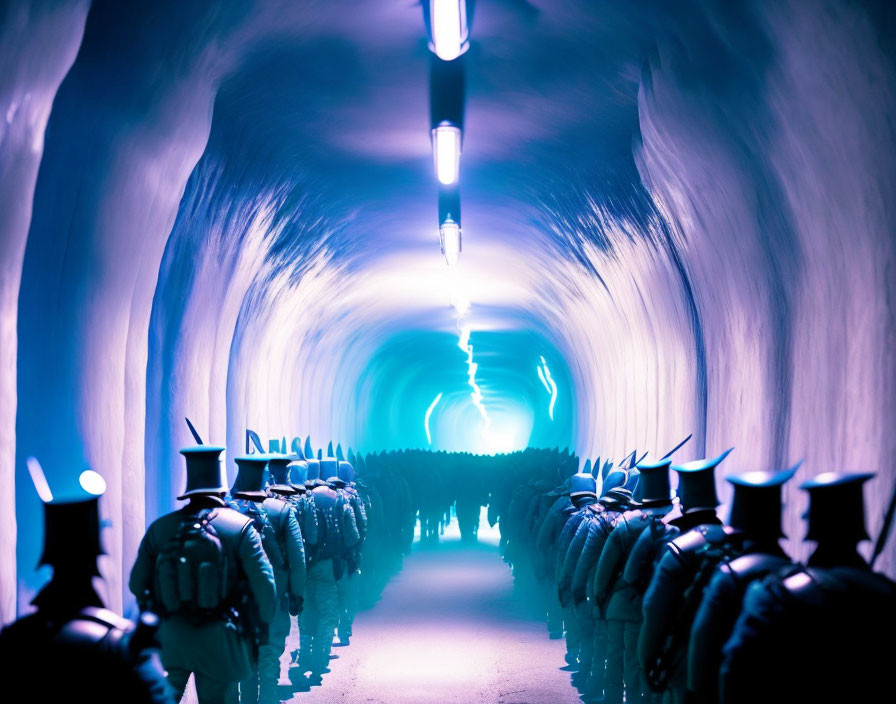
pixel 277 506
pixel 230 520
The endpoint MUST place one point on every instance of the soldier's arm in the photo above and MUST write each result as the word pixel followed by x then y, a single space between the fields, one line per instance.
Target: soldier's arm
pixel 258 571
pixel 350 532
pixel 609 565
pixel 571 560
pixel 660 607
pixel 141 580
pixel 360 516
pixel 295 553
pixel 310 529
pixel 712 625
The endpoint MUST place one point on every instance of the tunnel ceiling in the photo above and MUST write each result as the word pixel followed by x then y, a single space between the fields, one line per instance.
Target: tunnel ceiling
pixel 676 219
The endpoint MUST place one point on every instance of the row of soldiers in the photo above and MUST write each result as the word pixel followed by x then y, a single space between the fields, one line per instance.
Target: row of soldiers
pixel 220 582
pixel 659 600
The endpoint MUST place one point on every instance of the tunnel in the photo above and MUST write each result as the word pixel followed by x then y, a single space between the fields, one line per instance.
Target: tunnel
pixel 592 226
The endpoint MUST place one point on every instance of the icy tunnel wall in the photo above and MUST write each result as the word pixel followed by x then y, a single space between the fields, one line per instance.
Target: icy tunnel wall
pixel 691 208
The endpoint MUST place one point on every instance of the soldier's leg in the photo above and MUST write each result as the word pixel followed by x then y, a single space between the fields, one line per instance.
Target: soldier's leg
pixel 178 678
pixel 598 658
pixel 309 620
pixel 328 603
pixel 613 681
pixel 554 612
pixel 248 687
pixel 573 636
pixel 342 599
pixel 635 685
pixel 269 656
pixel 583 678
pixel 349 606
pixel 214 691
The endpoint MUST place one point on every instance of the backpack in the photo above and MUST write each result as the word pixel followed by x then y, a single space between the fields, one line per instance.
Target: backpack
pixel 191 570
pixel 262 523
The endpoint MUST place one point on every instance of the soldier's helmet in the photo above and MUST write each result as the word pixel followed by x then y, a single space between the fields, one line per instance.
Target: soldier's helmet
pixel 582 484
pixel 836 507
pixel 298 472
pixel 756 505
pixel 278 469
pixel 250 477
pixel 346 472
pixel 329 468
pixel 634 478
pixel 697 484
pixel 203 471
pixel 654 488
pixel 618 498
pixel 313 470
pixel 616 478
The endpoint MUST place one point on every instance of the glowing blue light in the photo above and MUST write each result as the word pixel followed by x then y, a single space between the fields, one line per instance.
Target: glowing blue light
pixel 450 33
pixel 39 479
pixel 429 411
pixel 92 482
pixel 446 142
pixel 544 373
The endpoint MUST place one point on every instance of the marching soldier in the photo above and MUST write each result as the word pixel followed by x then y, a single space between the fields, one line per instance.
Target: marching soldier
pixel 674 592
pixel 619 600
pixel 203 569
pixel 348 586
pixel 281 538
pixel 808 630
pixel 92 651
pixel 756 512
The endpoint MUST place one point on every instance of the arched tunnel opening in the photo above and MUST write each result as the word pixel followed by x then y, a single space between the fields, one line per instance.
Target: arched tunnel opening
pixel 474 248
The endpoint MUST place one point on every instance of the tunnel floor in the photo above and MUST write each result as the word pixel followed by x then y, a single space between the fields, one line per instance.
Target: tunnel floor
pixel 447 629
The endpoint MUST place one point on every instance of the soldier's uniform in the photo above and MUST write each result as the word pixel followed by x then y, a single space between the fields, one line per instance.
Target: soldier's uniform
pixel 814 633
pixel 214 644
pixel 282 541
pixel 620 600
pixel 545 556
pixel 756 511
pixel 321 611
pixel 674 592
pixel 347 587
pixel 582 493
pixel 72 644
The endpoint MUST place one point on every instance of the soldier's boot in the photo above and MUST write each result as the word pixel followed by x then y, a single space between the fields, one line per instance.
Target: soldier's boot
pixel 613 684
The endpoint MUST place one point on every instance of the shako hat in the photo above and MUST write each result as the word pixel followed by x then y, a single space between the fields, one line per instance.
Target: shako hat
pixel 278 468
pixel 249 482
pixel 653 483
pixel 346 472
pixel 329 468
pixel 203 471
pixel 836 506
pixel 697 484
pixel 298 472
pixel 756 505
pixel 313 470
pixel 616 478
pixel 582 484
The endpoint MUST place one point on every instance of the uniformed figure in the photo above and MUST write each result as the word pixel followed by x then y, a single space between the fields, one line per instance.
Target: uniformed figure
pixel 677 584
pixel 347 587
pixel 281 538
pixel 583 555
pixel 818 633
pixel 582 493
pixel 321 613
pixel 756 512
pixel 618 600
pixel 204 571
pixel 72 643
pixel 545 557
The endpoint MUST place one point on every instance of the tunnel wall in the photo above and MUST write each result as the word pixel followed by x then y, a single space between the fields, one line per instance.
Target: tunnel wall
pixel 740 288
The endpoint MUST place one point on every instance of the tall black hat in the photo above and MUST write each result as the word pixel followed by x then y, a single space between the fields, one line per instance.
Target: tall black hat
pixel 653 483
pixel 249 482
pixel 756 506
pixel 697 484
pixel 313 469
pixel 298 472
pixel 836 506
pixel 278 467
pixel 203 471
